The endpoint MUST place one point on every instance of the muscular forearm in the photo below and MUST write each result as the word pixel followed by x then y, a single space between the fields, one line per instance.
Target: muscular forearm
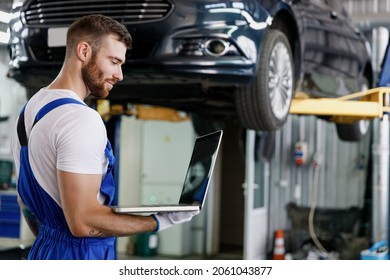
pixel 86 217
pixel 121 225
pixel 104 223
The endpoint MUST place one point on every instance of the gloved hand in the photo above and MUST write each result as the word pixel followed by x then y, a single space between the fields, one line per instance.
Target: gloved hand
pixel 169 219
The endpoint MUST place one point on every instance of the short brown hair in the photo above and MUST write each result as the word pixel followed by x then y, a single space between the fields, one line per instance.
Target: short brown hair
pixel 93 28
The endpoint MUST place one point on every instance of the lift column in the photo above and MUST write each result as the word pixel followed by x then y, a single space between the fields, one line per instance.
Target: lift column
pixel 381 144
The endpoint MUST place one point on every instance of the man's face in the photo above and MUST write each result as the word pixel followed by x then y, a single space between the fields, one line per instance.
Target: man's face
pixel 104 68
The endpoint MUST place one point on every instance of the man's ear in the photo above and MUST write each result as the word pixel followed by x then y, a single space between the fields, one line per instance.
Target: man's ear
pixel 84 51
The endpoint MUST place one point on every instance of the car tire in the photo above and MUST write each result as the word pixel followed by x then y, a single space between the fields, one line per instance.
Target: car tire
pixel 265 104
pixel 356 131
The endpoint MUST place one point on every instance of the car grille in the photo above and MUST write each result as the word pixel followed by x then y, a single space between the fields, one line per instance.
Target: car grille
pixel 60 13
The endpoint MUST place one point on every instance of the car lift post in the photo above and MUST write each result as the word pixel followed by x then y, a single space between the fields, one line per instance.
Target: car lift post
pixel 382 159
pixel 380 184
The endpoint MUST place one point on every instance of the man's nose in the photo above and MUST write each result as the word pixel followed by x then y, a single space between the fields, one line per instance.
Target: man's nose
pixel 118 74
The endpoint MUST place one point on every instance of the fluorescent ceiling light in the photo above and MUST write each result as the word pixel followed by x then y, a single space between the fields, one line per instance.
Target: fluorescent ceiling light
pixel 4 37
pixel 5 17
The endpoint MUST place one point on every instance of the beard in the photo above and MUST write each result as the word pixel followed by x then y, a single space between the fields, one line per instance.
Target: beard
pixel 93 78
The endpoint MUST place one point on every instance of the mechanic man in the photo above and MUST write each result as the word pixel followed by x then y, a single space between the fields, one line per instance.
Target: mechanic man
pixel 63 157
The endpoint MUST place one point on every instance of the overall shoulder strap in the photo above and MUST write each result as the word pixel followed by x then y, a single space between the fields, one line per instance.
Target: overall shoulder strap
pixel 21 128
pixel 52 105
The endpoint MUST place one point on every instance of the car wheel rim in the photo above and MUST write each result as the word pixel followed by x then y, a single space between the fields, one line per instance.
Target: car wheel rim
pixel 280 80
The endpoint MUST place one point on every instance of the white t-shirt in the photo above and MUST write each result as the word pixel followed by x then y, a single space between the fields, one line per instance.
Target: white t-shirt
pixel 71 138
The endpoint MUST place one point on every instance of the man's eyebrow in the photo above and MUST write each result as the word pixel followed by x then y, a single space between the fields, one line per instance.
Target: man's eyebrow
pixel 117 59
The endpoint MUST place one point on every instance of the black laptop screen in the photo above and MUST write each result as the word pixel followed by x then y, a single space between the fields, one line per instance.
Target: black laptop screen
pixel 200 168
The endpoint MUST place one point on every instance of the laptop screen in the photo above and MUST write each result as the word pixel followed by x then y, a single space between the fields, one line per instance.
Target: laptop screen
pixel 200 168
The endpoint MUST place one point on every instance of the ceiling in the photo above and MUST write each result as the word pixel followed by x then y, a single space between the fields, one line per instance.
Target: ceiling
pixel 5 5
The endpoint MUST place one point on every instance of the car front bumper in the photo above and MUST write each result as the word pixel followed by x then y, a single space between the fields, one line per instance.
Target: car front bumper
pixel 184 47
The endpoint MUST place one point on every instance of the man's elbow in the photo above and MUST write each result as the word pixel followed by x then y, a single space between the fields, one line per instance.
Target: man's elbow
pixel 80 229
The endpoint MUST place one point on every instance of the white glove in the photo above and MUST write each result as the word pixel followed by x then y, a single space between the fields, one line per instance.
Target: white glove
pixel 169 219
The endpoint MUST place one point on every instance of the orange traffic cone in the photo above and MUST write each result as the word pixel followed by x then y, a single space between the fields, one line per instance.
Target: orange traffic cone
pixel 279 249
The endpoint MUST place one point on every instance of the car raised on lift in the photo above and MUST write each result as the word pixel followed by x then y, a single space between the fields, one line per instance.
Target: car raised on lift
pixel 217 60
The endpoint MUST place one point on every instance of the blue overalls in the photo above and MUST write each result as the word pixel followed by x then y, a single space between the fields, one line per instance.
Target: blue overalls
pixel 54 240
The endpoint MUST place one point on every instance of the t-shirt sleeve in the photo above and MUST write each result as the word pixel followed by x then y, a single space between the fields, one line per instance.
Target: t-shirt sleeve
pixel 81 142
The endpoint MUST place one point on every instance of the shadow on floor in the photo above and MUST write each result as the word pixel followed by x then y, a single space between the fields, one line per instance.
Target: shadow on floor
pixel 227 253
pixel 14 254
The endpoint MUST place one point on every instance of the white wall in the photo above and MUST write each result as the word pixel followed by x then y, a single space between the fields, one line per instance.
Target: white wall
pixel 154 156
pixel 12 99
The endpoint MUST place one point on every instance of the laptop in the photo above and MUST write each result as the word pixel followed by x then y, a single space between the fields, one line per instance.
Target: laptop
pixel 196 183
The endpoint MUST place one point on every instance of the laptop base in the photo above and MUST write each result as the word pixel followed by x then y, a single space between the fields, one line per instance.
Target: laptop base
pixel 155 209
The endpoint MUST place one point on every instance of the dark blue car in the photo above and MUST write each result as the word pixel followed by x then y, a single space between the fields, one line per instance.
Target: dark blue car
pixel 216 60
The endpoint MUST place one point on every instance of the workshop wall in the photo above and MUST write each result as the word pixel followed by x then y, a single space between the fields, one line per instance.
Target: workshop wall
pixel 342 170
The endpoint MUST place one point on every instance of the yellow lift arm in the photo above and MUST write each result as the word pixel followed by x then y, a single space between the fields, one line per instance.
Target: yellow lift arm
pixel 346 109
pixel 356 106
pixel 143 112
